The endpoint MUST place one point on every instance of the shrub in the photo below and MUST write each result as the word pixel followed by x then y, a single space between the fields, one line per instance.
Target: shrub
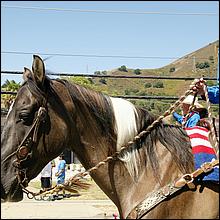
pixel 137 71
pixel 142 93
pixel 210 83
pixel 197 65
pixel 131 91
pixel 147 85
pixel 172 69
pixel 97 73
pixel 123 68
pixel 127 92
pixel 206 64
pixel 158 85
pixel 211 58
pixel 103 81
pixel 203 65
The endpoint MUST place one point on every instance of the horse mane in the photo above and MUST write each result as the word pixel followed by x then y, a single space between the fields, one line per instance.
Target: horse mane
pixel 173 137
pixel 96 109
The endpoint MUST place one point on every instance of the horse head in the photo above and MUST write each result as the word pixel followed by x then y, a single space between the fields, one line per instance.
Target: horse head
pixel 29 140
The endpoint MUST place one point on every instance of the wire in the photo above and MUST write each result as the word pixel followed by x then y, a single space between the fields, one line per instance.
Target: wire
pixel 108 11
pixel 93 55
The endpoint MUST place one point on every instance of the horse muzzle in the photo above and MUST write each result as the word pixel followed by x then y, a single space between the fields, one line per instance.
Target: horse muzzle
pixel 15 194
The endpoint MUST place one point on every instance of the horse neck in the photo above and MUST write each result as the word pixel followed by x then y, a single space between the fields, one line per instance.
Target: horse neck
pixel 131 193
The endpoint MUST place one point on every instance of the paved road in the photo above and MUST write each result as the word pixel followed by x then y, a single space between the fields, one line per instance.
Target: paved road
pixel 58 209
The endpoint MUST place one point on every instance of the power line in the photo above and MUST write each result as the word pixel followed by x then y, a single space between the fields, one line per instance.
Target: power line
pixel 94 55
pixel 118 96
pixel 3 72
pixel 110 11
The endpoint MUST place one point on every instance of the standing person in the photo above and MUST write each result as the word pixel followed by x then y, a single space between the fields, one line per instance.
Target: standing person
pixel 194 115
pixel 46 175
pixel 60 174
pixel 53 164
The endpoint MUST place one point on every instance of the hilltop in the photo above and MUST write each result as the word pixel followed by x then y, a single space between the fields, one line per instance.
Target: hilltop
pixel 202 62
pixel 199 63
pixel 186 65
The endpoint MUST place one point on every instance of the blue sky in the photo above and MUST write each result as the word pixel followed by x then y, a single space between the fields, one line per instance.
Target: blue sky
pixel 103 34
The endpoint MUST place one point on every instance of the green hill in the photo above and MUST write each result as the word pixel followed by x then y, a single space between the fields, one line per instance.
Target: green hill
pixel 202 62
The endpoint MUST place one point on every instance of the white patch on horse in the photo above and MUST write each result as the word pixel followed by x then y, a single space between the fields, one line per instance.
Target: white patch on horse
pixel 10 108
pixel 125 116
pixel 126 129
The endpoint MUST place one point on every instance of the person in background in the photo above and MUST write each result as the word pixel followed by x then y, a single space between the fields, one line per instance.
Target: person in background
pixel 193 117
pixel 46 175
pixel 213 91
pixel 60 174
pixel 53 164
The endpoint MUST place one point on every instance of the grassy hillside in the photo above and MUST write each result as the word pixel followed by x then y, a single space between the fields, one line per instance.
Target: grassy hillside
pixel 187 66
pixel 202 62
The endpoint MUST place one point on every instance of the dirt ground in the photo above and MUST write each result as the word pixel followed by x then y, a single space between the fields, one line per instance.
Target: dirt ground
pixel 58 209
pixel 77 207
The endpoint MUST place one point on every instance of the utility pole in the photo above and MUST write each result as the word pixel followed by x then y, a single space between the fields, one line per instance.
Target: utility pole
pixel 194 64
pixel 217 66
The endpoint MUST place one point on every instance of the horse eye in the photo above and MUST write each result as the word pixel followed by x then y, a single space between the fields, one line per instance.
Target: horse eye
pixel 24 115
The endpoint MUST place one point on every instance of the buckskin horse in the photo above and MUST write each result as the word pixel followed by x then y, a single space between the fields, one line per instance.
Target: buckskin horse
pixel 48 116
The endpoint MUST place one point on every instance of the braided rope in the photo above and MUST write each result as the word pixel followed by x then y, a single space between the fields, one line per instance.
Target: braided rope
pixel 191 108
pixel 137 137
pixel 212 131
pixel 73 180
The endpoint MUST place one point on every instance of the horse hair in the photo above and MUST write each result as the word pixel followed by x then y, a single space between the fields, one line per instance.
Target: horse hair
pixel 98 109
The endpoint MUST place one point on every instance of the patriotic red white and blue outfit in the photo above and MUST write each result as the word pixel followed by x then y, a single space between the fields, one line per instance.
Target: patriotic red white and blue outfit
pixel 202 150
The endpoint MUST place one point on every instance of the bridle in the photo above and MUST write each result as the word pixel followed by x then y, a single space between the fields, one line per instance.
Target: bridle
pixel 25 148
pixel 24 151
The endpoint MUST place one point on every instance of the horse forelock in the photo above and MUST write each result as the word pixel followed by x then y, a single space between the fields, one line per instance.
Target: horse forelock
pixel 35 90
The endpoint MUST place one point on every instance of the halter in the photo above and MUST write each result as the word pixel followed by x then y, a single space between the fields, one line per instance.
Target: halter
pixel 25 148
pixel 24 151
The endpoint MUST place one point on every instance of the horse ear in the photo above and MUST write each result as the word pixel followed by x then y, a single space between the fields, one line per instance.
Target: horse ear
pixel 27 74
pixel 38 70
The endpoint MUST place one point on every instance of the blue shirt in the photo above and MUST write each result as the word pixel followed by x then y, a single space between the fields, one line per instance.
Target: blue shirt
pixel 61 166
pixel 213 93
pixel 191 121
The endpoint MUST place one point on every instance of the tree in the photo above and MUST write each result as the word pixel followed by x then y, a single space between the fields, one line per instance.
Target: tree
pixel 203 65
pixel 158 85
pixel 172 69
pixel 137 71
pixel 103 81
pixel 123 68
pixel 12 86
pixel 206 64
pixel 147 85
pixel 97 73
